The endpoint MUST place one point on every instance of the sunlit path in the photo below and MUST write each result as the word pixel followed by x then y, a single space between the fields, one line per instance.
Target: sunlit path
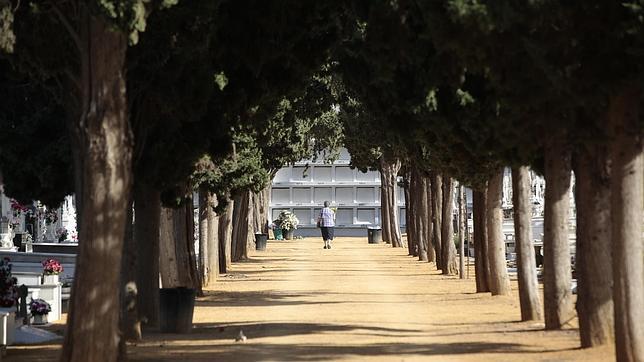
pixel 298 302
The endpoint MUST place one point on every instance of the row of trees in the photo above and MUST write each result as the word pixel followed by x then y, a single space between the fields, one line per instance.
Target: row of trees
pixel 150 101
pixel 160 98
pixel 459 89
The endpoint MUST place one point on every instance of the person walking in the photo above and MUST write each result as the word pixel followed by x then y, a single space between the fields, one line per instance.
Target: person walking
pixel 326 222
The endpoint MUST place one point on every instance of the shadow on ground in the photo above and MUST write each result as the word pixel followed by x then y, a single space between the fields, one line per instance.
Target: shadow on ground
pixel 271 352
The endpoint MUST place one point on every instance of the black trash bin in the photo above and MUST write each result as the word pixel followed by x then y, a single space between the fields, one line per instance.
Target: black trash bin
pixel 176 307
pixel 374 235
pixel 260 241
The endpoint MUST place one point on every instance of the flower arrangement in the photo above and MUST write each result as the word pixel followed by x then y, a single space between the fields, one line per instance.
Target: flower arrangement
pixel 39 307
pixel 61 234
pixel 8 289
pixel 17 208
pixel 50 216
pixel 287 220
pixel 52 267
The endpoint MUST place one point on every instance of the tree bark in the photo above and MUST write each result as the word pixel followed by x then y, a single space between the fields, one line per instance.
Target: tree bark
pixel 103 150
pixel 526 262
pixel 410 214
pixel 240 227
pixel 190 245
pixel 147 204
pixel 437 206
pixel 225 238
pixel 260 210
pixel 449 264
pixel 481 268
pixel 557 294
pixel 462 207
pixel 179 268
pixel 420 215
pixel 208 239
pixel 593 262
pixel 204 205
pixel 428 212
pixel 130 322
pixel 499 282
pixel 212 266
pixel 627 201
pixel 391 225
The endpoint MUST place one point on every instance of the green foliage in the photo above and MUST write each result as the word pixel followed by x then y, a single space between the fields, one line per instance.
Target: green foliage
pixel 35 153
pixel 412 100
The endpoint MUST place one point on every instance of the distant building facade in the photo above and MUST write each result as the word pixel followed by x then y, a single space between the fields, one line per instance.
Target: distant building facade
pixel 303 187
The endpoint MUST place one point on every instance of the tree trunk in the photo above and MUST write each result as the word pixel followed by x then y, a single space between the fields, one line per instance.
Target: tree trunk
pixel 212 266
pixel 410 214
pixel 593 262
pixel 526 262
pixel 103 150
pixel 225 238
pixel 420 215
pixel 481 268
pixel 437 206
pixel 557 294
pixel 428 225
pixel 204 205
pixel 240 227
pixel 190 245
pixel 147 204
pixel 499 282
pixel 627 200
pixel 391 225
pixel 449 264
pixel 175 255
pixel 461 229
pixel 260 210
pixel 208 239
pixel 130 322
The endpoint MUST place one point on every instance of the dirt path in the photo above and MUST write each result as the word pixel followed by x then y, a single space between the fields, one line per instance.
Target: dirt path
pixel 355 302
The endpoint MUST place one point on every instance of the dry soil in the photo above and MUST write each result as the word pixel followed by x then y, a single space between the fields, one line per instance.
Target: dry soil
pixel 356 302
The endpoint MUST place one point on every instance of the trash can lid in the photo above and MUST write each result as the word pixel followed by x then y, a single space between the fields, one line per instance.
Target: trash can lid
pixel 374 227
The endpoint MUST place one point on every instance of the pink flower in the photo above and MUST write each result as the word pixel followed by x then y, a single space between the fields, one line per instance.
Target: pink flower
pixel 52 267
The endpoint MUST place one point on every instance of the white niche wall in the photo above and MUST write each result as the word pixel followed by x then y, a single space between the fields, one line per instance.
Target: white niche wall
pixel 303 188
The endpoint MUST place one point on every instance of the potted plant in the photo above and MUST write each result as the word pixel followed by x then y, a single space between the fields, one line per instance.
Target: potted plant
pixel 39 309
pixel 51 269
pixel 288 222
pixel 8 301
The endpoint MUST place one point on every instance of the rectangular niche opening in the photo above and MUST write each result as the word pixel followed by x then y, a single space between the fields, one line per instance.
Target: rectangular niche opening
pixel 301 173
pixel 321 194
pixel 280 196
pixel 344 217
pixel 365 195
pixel 343 174
pixel 344 195
pixel 366 216
pixel 302 195
pixel 303 215
pixel 322 174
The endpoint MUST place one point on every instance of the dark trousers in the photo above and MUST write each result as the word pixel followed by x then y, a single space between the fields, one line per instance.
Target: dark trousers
pixel 327 232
